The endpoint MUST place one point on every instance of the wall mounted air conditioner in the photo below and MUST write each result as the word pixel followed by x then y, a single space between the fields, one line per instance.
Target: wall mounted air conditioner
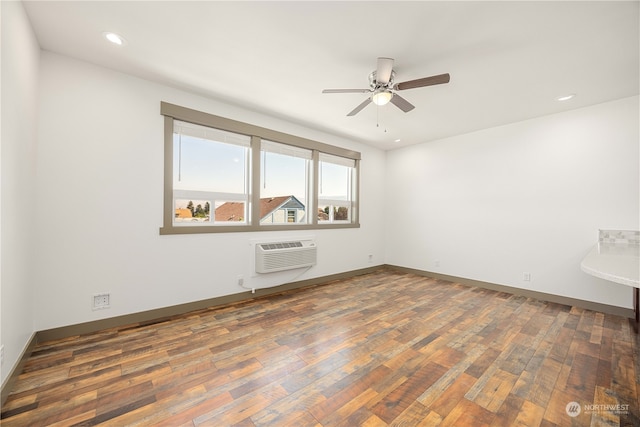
pixel 280 256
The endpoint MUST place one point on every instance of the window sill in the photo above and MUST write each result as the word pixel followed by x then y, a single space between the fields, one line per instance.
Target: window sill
pixel 248 228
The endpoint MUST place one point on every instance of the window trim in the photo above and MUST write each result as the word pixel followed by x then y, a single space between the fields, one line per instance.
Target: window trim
pixel 173 112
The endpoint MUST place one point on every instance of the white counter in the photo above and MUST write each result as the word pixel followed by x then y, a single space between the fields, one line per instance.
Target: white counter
pixel 616 258
pixel 617 262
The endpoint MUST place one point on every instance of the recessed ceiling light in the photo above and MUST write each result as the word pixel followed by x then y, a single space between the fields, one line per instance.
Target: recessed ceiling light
pixel 566 97
pixel 115 38
pixel 397 140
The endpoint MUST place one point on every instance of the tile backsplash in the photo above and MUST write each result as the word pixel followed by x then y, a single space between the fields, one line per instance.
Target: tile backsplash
pixel 619 236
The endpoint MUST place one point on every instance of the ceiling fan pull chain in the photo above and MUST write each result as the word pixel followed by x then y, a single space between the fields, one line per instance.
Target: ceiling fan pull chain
pixel 378 118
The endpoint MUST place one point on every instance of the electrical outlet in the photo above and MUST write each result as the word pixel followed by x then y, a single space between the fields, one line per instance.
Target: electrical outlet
pixel 526 277
pixel 436 263
pixel 370 259
pixel 241 280
pixel 101 301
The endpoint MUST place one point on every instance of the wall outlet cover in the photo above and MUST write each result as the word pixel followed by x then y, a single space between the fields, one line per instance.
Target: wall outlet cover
pixel 101 301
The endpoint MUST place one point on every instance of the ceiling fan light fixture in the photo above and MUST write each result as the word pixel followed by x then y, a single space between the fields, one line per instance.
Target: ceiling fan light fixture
pixel 381 97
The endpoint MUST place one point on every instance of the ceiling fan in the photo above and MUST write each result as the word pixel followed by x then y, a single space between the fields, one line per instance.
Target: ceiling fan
pixel 382 87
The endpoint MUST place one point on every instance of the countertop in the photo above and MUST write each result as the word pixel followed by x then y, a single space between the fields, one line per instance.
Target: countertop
pixel 617 262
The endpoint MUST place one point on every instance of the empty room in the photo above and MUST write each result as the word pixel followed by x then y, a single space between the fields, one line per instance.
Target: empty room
pixel 302 213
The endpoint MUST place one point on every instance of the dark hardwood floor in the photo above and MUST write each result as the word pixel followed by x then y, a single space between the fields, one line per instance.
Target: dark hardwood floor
pixel 380 349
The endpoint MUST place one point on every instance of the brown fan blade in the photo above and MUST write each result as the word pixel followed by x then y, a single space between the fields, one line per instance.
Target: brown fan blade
pixel 346 90
pixel 425 81
pixel 401 103
pixel 383 72
pixel 360 107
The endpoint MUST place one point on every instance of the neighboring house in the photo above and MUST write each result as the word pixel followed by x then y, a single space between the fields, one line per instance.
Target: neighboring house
pixel 273 210
pixel 322 215
pixel 183 213
pixel 230 211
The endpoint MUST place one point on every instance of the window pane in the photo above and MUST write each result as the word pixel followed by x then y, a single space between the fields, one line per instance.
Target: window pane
pixel 331 213
pixel 204 164
pixel 335 181
pixel 192 211
pixel 230 212
pixel 284 184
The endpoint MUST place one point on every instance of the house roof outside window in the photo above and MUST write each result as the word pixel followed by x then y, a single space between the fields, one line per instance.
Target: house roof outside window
pixel 234 211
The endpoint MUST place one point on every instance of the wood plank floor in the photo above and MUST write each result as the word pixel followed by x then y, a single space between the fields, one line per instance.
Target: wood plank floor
pixel 384 348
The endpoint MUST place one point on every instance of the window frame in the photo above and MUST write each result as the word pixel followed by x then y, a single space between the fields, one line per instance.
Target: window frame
pixel 173 112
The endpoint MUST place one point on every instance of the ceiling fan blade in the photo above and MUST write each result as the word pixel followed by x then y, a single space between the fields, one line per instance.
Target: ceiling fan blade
pixel 401 103
pixel 360 107
pixel 383 72
pixel 346 90
pixel 425 81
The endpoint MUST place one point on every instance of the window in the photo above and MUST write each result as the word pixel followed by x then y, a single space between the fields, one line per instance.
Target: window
pixel 227 176
pixel 284 177
pixel 209 172
pixel 337 178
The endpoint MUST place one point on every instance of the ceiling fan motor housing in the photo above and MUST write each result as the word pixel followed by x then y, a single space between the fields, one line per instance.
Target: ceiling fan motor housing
pixel 373 81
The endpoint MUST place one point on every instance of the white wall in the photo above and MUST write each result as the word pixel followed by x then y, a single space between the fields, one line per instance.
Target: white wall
pixel 100 188
pixel 526 197
pixel 19 210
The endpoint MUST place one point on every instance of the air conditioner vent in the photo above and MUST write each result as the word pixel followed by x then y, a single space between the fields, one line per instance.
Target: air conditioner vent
pixel 280 256
pixel 284 245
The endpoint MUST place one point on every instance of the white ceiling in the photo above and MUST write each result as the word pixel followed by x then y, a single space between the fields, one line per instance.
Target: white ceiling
pixel 508 61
